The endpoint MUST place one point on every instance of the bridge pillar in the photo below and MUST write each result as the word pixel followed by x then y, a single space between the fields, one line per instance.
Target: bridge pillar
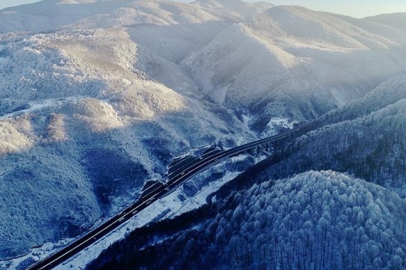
pixel 267 147
pixel 259 149
pixel 251 151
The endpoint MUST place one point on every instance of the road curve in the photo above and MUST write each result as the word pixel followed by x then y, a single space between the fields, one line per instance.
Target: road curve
pixel 153 193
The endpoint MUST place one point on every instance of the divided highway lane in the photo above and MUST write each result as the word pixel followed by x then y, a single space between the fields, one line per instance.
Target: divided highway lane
pixel 181 166
pixel 154 193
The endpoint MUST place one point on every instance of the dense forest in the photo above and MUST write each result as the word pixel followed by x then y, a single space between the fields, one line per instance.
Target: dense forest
pixel 365 139
pixel 315 220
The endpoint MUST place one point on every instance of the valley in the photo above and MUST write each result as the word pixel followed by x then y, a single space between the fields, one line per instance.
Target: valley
pixel 99 97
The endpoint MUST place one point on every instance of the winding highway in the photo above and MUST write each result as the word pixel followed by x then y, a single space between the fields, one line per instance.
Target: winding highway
pixel 179 172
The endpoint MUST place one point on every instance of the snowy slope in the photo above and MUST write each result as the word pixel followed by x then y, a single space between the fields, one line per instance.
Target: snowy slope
pixel 387 93
pixel 391 35
pixel 236 8
pixel 396 20
pixel 365 138
pixel 49 15
pixel 73 103
pixel 288 52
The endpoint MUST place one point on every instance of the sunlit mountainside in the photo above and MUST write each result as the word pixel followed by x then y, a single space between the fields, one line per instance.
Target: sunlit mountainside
pixel 99 96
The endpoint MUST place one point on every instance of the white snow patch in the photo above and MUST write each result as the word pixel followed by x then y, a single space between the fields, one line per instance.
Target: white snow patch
pixel 35 106
pixel 275 123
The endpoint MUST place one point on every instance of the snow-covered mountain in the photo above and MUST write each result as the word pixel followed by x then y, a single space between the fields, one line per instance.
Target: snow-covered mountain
pixel 70 110
pixel 396 20
pixel 98 96
pixel 50 15
pixel 236 9
pixel 286 52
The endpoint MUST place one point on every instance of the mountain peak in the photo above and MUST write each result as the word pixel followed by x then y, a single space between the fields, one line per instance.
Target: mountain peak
pixel 243 9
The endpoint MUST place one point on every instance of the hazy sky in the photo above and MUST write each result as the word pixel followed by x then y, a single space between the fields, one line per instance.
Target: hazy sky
pixel 355 8
pixel 10 3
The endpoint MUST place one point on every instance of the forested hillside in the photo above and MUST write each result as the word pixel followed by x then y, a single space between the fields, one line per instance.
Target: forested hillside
pixel 365 138
pixel 315 220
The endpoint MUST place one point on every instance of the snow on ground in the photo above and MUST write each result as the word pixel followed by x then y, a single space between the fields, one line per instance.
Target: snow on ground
pixel 275 123
pixel 40 105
